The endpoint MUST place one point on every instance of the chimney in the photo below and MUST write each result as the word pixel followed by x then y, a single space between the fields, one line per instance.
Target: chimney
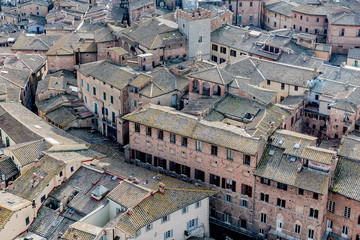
pixel 162 188
pixel 11 185
pixel 130 211
pixel 36 163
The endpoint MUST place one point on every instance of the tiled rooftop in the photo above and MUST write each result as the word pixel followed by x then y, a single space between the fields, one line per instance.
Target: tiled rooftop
pixel 280 168
pixel 26 153
pixel 48 168
pixel 317 154
pixel 158 205
pixel 347 178
pixel 128 194
pixel 173 121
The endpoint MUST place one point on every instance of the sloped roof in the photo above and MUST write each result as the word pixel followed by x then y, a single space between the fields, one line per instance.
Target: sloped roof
pixel 346 19
pixel 128 194
pixel 215 75
pixel 107 72
pixel 287 139
pixel 35 42
pixel 282 7
pixel 64 45
pixel 163 82
pixel 15 129
pixel 62 116
pixel 354 53
pixel 157 206
pixel 48 168
pixel 27 152
pixel 173 121
pixel 146 33
pixel 317 154
pixel 347 178
pixel 8 167
pixel 15 76
pixel 350 147
pixel 279 168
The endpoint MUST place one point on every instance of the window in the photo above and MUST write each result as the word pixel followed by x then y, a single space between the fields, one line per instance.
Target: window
pixel 297 228
pixel 184 141
pixel 227 218
pixel 314 213
pixel 27 221
pixel 227 198
pixel 229 184
pixel 104 96
pixel 161 134
pixel 274 24
pixel 198 204
pixel 185 210
pixel 71 169
pixel 347 212
pixel 200 39
pixel 358 33
pixel 82 82
pixel 317 19
pixel 214 47
pixel 88 87
pixel 342 32
pixel 149 227
pixel 295 15
pixel 106 112
pixel 268 82
pixel 246 190
pixel 135 103
pixel 233 53
pixel 247 159
pixel 263 217
pixel 251 4
pixel 95 108
pixel 265 181
pixel 137 127
pixel 282 86
pixel 214 150
pixel 222 60
pixel 192 224
pixel 264 197
pixel 316 97
pixel 358 220
pixel 316 196
pixel 316 31
pixel 113 117
pixel 282 186
pixel 61 174
pixel 214 58
pixel 172 138
pixel 230 154
pixel 200 175
pixel 165 218
pixel 168 234
pixel 148 131
pixel 94 90
pixel 43 198
pixel 301 17
pixel 307 19
pixel 111 99
pixel 244 203
pixel 198 146
pixel 215 180
pixel 301 191
pixel 223 50
pixel 311 234
pixel 296 88
pixel 281 203
pixel 300 28
pixel 344 231
pixel 306 30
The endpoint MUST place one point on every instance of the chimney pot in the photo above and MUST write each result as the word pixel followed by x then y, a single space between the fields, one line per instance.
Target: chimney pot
pixel 11 185
pixel 162 188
